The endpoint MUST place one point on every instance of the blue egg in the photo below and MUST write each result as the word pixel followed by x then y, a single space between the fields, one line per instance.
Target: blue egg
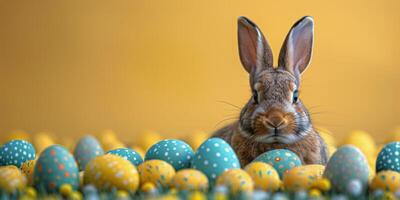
pixel 389 158
pixel 128 154
pixel 87 148
pixel 55 167
pixel 281 159
pixel 16 152
pixel 214 157
pixel 175 152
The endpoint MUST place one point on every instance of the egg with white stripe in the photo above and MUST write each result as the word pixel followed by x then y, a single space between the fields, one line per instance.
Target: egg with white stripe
pixel 16 152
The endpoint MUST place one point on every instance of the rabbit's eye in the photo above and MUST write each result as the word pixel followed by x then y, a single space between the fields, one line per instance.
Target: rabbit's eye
pixel 295 96
pixel 255 96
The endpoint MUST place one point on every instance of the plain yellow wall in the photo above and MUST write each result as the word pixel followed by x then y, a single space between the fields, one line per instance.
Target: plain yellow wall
pixel 75 67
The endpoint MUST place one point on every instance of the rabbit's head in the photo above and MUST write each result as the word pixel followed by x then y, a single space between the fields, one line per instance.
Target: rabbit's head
pixel 274 113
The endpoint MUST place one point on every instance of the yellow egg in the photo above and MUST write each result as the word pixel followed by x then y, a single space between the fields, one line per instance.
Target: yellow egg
pixel 190 179
pixel 27 168
pixel 147 139
pixel 158 172
pixel 110 171
pixel 265 177
pixel 197 138
pixel 148 187
pixel 302 177
pixel 11 179
pixel 388 181
pixel 41 141
pixel 109 140
pixel 363 141
pixel 237 180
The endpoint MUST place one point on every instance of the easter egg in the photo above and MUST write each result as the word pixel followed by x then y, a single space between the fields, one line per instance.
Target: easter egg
pixel 389 158
pixel 302 177
pixel 128 154
pixel 213 157
pixel 41 141
pixel 86 149
pixel 190 179
pixel 55 167
pixel 158 172
pixel 265 176
pixel 16 152
pixel 109 140
pixel 348 163
pixel 27 168
pixel 111 171
pixel 11 179
pixel 148 139
pixel 363 141
pixel 388 181
pixel 281 159
pixel 237 180
pixel 139 150
pixel 197 138
pixel 175 152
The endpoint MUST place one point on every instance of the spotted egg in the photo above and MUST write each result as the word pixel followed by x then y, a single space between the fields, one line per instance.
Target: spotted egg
pixel 175 152
pixel 86 149
pixel 302 177
pixel 158 172
pixel 109 172
pixel 388 181
pixel 281 159
pixel 11 179
pixel 348 164
pixel 214 157
pixel 237 180
pixel 190 179
pixel 16 152
pixel 128 154
pixel 265 176
pixel 55 167
pixel 389 158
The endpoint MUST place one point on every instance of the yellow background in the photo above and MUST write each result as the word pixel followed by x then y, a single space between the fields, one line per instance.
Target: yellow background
pixel 75 67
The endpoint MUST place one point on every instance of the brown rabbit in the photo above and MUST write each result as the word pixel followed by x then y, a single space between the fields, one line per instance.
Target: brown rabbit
pixel 274 117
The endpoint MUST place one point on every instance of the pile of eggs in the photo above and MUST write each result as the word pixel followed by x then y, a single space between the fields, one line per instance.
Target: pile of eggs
pixel 198 168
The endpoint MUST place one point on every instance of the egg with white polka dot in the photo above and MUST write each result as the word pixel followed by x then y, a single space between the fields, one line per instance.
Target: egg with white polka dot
pixel 214 157
pixel 55 167
pixel 281 159
pixel 157 172
pixel 16 152
pixel 128 154
pixel 389 158
pixel 109 172
pixel 175 152
pixel 87 148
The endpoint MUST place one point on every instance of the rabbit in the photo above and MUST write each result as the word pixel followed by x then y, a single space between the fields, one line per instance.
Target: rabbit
pixel 274 117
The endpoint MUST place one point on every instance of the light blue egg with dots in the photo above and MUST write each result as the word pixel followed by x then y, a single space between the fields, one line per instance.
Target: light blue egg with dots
pixel 281 159
pixel 87 148
pixel 16 152
pixel 128 154
pixel 214 157
pixel 389 158
pixel 175 152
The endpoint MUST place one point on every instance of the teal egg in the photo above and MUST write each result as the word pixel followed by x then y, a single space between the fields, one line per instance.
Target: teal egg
pixel 214 157
pixel 16 152
pixel 175 152
pixel 55 167
pixel 281 159
pixel 347 166
pixel 87 148
pixel 389 158
pixel 128 154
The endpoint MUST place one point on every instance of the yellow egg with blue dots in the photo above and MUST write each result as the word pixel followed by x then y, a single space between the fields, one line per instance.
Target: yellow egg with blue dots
pixel 158 172
pixel 302 177
pixel 388 181
pixel 237 180
pixel 265 177
pixel 190 179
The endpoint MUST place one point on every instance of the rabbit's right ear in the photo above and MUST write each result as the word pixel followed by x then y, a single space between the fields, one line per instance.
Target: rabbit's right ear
pixel 255 52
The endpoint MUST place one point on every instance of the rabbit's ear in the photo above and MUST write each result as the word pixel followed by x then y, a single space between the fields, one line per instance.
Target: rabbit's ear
pixel 296 51
pixel 255 53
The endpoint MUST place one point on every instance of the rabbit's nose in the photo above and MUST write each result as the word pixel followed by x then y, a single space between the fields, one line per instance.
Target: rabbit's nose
pixel 275 121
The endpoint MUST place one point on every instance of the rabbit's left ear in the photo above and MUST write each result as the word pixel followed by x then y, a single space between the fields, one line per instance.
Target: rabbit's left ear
pixel 296 51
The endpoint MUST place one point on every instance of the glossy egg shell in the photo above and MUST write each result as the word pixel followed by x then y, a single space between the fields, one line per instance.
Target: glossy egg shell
pixel 175 152
pixel 128 154
pixel 388 181
pixel 87 148
pixel 302 177
pixel 237 180
pixel 55 167
pixel 281 159
pixel 16 152
pixel 158 172
pixel 265 176
pixel 389 158
pixel 190 179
